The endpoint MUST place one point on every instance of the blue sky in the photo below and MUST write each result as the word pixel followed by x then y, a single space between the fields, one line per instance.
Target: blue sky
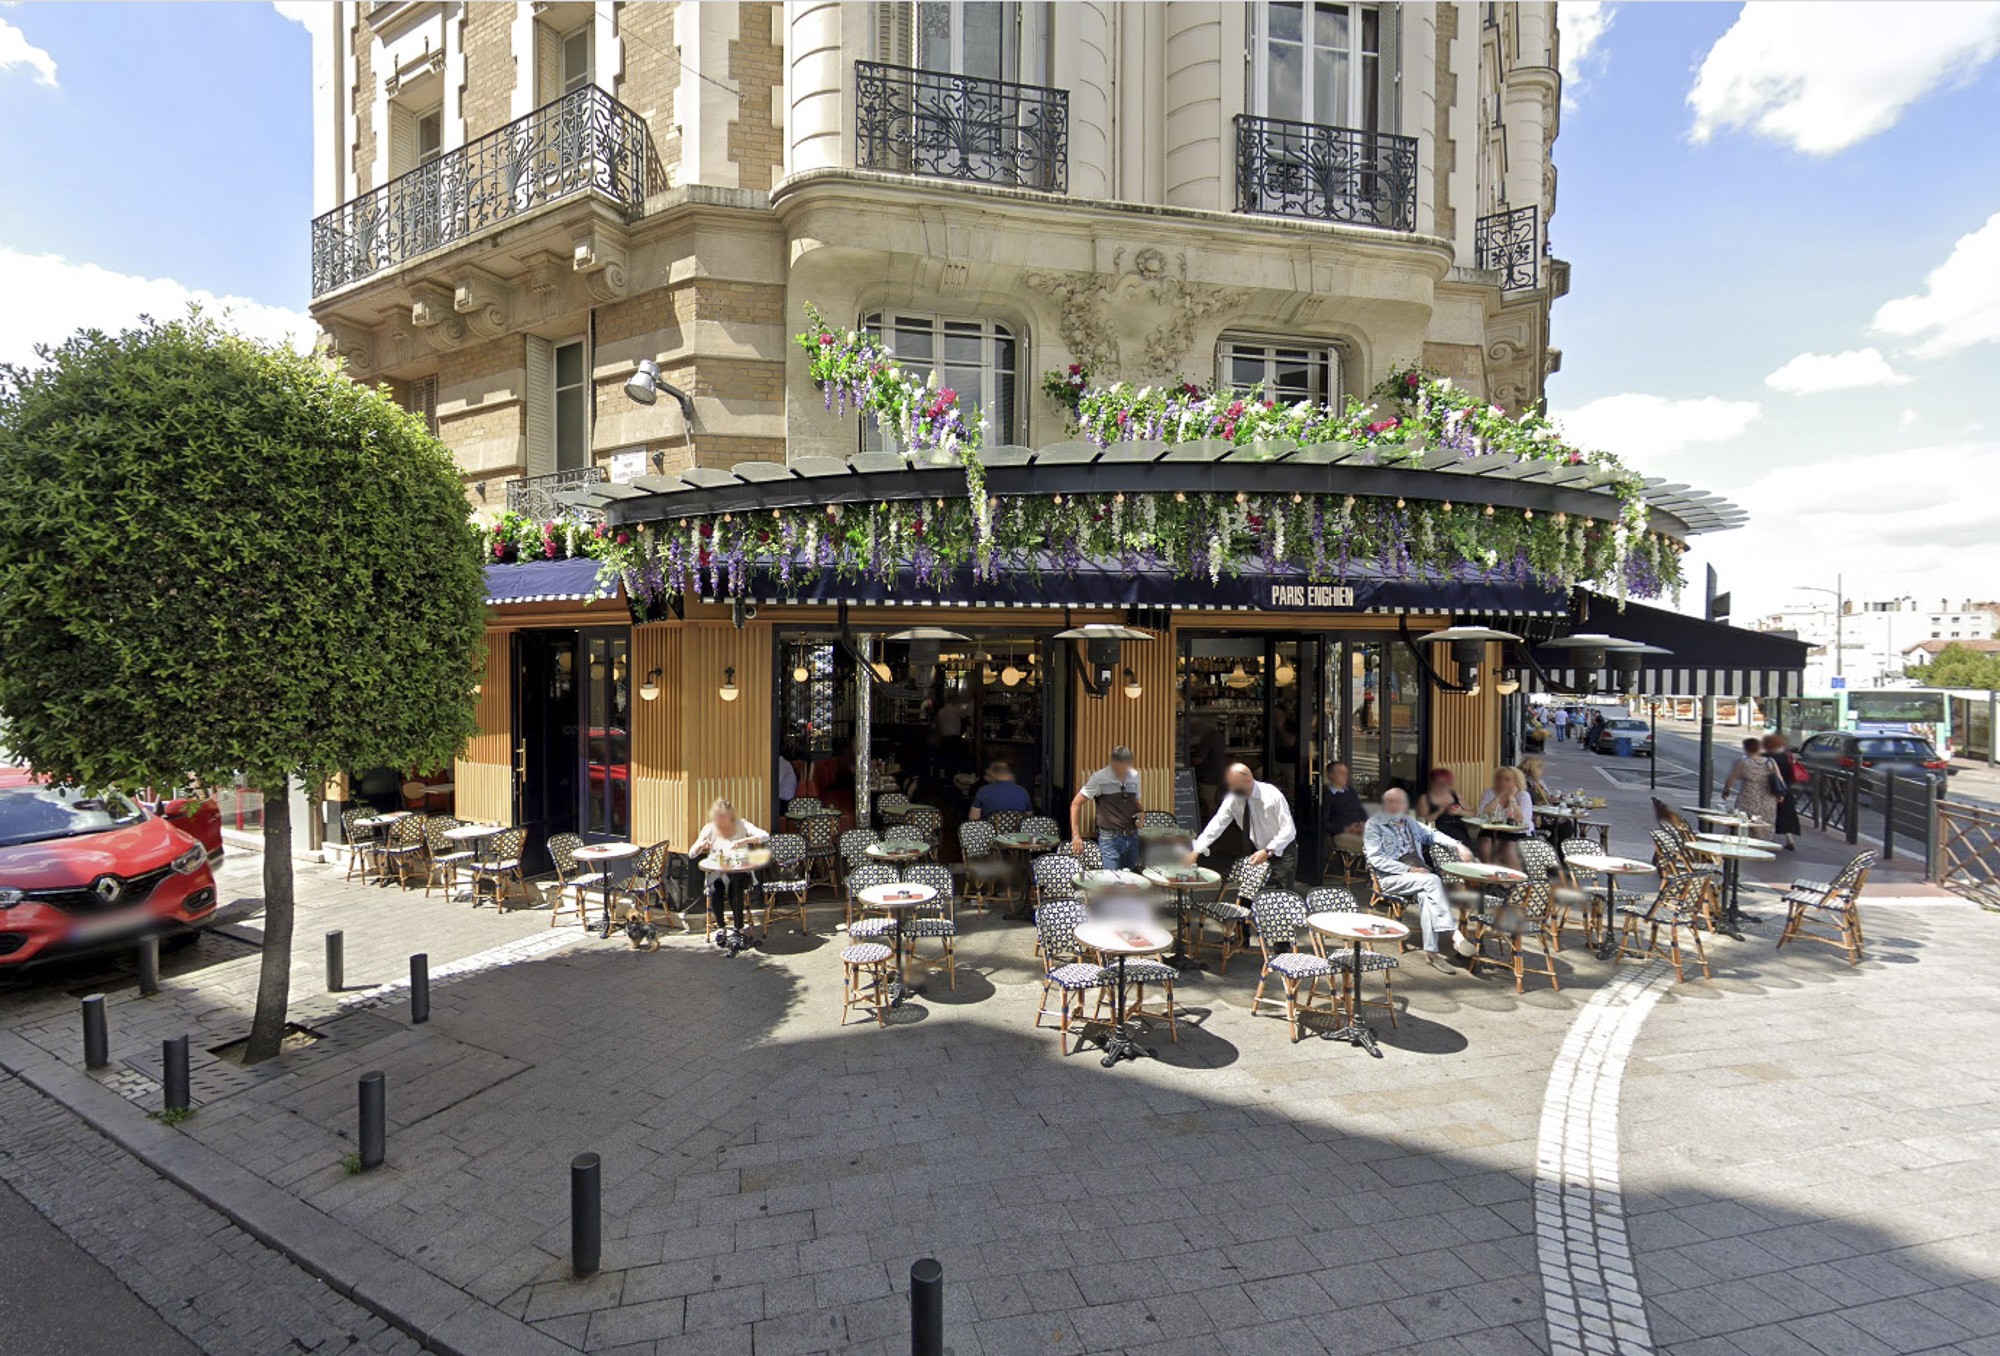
pixel 1754 198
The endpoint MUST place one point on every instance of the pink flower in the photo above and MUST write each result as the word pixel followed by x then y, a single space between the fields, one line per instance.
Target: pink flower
pixel 1121 418
pixel 623 539
pixel 826 341
pixel 1384 425
pixel 1075 369
pixel 1411 379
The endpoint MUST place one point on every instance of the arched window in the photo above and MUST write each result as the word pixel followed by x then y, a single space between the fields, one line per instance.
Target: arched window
pixel 1288 372
pixel 976 358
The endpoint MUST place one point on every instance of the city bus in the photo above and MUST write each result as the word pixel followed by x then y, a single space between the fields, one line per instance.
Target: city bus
pixel 1954 720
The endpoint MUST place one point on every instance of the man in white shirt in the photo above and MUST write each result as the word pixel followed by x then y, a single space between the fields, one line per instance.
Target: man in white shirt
pixel 788 782
pixel 1261 811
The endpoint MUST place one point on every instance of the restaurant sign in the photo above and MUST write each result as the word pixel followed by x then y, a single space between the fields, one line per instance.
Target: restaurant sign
pixel 1312 596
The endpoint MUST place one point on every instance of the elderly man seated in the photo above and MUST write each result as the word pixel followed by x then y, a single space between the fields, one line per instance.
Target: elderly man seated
pixel 1397 845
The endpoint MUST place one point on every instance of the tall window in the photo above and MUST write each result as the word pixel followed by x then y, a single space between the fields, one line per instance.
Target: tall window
pixel 976 37
pixel 1316 62
pixel 564 62
pixel 1288 373
pixel 572 408
pixel 975 358
pixel 421 398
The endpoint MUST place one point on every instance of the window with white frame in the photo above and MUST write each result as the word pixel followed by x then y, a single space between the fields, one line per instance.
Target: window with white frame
pixel 572 407
pixel 564 61
pixel 976 358
pixel 994 41
pixel 1288 373
pixel 1316 61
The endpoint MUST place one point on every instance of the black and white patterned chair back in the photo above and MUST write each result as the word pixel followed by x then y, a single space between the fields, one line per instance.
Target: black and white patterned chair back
pixel 907 833
pixel 435 829
pixel 891 803
pixel 651 864
pixel 939 878
pixel 822 834
pixel 1538 858
pixel 788 857
pixel 1571 849
pixel 1056 876
pixel 506 845
pixel 867 877
pixel 1040 826
pixel 1092 855
pixel 1245 878
pixel 975 839
pixel 1439 854
pixel 681 879
pixel 1158 819
pixel 801 806
pixel 1849 879
pixel 1526 905
pixel 1670 855
pixel 1006 821
pixel 926 819
pixel 1277 915
pixel 408 832
pixel 562 852
pixel 1056 922
pixel 349 818
pixel 854 845
pixel 1331 899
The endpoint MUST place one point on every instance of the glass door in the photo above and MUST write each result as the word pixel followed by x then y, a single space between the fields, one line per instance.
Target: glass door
pixel 546 797
pixel 607 745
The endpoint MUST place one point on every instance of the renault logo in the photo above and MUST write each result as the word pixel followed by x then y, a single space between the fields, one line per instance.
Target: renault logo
pixel 108 888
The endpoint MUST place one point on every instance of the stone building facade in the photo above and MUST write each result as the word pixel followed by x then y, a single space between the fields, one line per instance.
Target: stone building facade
pixel 519 202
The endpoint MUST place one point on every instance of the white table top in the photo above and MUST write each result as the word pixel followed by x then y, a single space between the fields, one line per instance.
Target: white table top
pixel 1113 938
pixel 896 852
pixel 1485 871
pixel 756 861
pixel 1738 837
pixel 1720 816
pixel 605 852
pixel 1615 866
pixel 1358 927
pixel 1498 825
pixel 1742 852
pixel 472 833
pixel 377 821
pixel 1197 876
pixel 1111 880
pixel 896 895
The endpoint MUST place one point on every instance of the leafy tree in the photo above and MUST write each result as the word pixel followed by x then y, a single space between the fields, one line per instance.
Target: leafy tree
pixel 1958 666
pixel 218 557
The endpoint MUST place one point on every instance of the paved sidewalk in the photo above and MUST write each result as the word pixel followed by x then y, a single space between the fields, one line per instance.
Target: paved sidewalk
pixel 770 1176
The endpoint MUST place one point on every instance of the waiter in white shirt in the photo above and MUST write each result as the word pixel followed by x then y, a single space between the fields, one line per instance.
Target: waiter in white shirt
pixel 1261 811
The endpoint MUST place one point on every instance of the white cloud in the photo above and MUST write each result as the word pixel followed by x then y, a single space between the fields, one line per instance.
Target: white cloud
pixel 1960 305
pixel 1581 25
pixel 1823 77
pixel 16 50
pixel 49 298
pixel 1641 429
pixel 1910 419
pixel 304 13
pixel 1812 373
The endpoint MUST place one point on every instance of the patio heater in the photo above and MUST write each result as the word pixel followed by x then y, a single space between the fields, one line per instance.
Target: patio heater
pixel 1101 641
pixel 1468 651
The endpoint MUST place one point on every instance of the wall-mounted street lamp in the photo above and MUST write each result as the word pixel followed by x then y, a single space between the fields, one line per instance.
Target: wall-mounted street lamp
pixel 650 689
pixel 644 387
pixel 729 692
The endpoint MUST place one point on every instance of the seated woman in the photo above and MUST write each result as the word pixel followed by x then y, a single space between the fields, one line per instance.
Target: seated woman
pixel 1440 808
pixel 1507 800
pixel 725 829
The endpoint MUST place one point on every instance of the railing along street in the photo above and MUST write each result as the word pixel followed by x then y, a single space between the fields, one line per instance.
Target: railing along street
pixel 1345 174
pixel 1891 810
pixel 535 496
pixel 1968 856
pixel 962 127
pixel 1511 244
pixel 585 141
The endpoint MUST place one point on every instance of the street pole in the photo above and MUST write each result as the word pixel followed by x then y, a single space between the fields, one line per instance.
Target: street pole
pixel 1653 763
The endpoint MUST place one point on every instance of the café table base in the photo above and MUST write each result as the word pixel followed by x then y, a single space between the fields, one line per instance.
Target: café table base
pixel 1357 1032
pixel 1179 957
pixel 1115 1043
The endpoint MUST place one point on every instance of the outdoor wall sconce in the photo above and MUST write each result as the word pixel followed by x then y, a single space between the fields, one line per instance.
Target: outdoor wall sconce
pixel 1468 651
pixel 729 691
pixel 650 689
pixel 644 387
pixel 1132 688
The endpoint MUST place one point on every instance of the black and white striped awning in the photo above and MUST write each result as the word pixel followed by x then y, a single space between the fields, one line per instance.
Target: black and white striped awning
pixel 1704 659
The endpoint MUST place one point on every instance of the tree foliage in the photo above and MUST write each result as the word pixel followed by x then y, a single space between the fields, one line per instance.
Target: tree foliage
pixel 1959 666
pixel 219 557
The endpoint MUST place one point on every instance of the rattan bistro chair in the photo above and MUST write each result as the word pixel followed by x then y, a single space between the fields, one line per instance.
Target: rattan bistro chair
pixel 822 839
pixel 989 876
pixel 1333 899
pixel 854 845
pixel 573 881
pixel 1829 912
pixel 1005 821
pixel 444 858
pixel 785 886
pixel 405 851
pixel 1226 911
pixel 1056 922
pixel 1519 918
pixel 498 864
pixel 1278 915
pixel 1540 862
pixel 361 843
pixel 863 878
pixel 934 921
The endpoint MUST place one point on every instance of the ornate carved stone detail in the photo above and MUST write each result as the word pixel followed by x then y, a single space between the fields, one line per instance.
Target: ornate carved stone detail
pixel 1149 309
pixel 354 344
pixel 431 63
pixel 482 300
pixel 431 303
pixel 599 256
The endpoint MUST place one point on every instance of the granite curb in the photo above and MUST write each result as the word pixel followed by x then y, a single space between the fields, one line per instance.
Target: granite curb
pixel 442 1317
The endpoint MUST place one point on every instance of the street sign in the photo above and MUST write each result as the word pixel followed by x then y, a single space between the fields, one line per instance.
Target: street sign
pixel 1839 684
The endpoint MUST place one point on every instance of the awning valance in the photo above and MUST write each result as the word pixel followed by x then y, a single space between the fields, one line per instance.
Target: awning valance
pixel 542 581
pixel 1708 658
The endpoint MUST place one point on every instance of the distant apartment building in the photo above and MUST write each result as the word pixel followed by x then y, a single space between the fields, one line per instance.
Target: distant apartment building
pixel 1874 642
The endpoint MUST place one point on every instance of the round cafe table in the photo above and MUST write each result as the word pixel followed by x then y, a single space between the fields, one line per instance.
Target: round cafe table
pixel 1357 928
pixel 899 853
pixel 1732 853
pixel 1732 818
pixel 895 899
pixel 1485 875
pixel 1101 882
pixel 734 939
pixel 1610 868
pixel 472 835
pixel 1119 940
pixel 1181 882
pixel 1164 833
pixel 606 853
pixel 1026 846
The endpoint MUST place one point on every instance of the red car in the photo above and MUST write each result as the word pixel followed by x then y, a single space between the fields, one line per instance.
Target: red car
pixel 81 870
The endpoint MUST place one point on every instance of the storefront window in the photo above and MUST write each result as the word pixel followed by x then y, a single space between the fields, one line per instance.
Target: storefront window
pixel 607 765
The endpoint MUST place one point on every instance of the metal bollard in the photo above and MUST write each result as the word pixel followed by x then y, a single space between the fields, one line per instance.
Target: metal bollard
pixel 927 1307
pixel 374 1119
pixel 420 988
pixel 174 1072
pixel 586 1217
pixel 336 961
pixel 96 1034
pixel 149 965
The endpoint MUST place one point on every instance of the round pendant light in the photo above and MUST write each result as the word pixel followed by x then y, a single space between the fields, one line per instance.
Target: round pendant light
pixel 729 691
pixel 1010 676
pixel 1238 678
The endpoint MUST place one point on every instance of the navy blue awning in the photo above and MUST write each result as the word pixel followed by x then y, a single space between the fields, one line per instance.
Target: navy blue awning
pixel 542 581
pixel 1366 589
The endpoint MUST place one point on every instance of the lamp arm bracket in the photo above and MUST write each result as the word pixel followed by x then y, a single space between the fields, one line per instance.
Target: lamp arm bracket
pixel 1410 644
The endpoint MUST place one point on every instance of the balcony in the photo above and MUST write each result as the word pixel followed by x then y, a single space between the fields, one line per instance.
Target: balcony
pixel 535 496
pixel 961 127
pixel 584 142
pixel 1343 174
pixel 1510 243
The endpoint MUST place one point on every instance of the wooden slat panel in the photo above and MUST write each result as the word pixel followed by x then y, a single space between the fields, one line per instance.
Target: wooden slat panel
pixel 1146 725
pixel 659 774
pixel 484 775
pixel 1465 730
pixel 659 809
pixel 725 746
pixel 484 791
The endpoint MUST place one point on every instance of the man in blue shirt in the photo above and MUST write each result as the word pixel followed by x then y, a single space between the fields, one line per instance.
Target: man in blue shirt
pixel 1001 792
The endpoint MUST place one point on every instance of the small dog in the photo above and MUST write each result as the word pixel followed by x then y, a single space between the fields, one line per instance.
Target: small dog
pixel 644 932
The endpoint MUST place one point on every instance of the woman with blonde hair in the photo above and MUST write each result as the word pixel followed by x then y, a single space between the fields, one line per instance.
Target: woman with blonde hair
pixel 725 829
pixel 1532 768
pixel 1506 800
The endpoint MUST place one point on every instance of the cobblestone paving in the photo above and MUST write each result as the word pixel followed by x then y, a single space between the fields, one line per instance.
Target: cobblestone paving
pixel 226 1292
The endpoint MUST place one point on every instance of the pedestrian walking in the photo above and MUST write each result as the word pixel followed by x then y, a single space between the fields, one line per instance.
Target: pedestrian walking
pixel 1560 719
pixel 1754 779
pixel 1786 822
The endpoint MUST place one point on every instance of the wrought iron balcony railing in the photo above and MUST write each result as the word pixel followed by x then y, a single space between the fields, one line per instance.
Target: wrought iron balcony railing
pixel 535 496
pixel 1511 244
pixel 1305 169
pixel 585 141
pixel 961 127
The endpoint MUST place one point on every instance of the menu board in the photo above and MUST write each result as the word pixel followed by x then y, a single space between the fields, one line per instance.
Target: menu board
pixel 1187 805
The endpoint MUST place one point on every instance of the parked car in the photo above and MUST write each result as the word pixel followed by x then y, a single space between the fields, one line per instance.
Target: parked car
pixel 1604 738
pixel 201 818
pixel 1899 755
pixel 81 870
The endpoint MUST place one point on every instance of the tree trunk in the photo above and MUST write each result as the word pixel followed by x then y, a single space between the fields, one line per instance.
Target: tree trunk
pixel 274 975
